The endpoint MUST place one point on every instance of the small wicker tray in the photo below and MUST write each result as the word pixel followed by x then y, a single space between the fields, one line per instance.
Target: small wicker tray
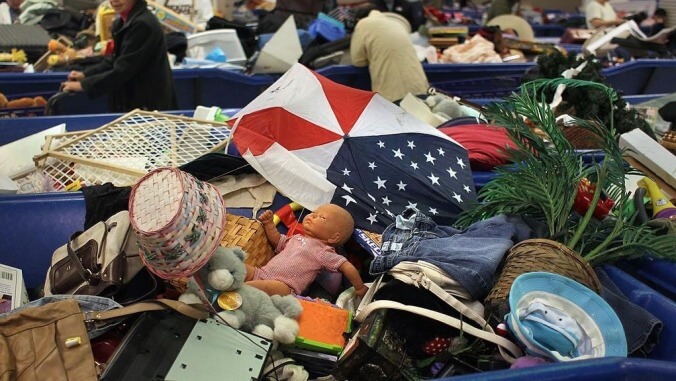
pixel 248 234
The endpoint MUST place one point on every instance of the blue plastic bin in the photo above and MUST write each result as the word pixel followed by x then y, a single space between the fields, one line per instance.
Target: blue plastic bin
pixel 466 80
pixel 12 129
pixel 661 364
pixel 209 87
pixel 35 225
pixel 643 76
pixel 659 274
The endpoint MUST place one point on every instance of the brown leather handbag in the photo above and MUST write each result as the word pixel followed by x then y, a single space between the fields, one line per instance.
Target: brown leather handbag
pixel 51 342
pixel 98 261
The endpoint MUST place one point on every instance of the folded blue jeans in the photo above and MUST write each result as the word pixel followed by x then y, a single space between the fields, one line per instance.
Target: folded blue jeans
pixel 471 256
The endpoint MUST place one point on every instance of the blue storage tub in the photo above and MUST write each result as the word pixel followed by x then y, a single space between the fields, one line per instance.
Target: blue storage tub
pixel 35 225
pixel 12 129
pixel 656 273
pixel 643 76
pixel 661 364
pixel 209 87
pixel 488 80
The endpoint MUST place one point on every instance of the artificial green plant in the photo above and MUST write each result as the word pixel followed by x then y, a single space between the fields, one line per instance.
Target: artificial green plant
pixel 543 180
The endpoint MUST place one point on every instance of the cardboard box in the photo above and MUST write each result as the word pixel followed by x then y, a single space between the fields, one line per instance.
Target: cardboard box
pixel 13 292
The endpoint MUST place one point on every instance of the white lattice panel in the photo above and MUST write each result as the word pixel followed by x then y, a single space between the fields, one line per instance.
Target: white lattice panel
pixel 127 148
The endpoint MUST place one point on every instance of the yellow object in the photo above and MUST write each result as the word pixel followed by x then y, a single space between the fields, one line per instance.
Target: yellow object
pixel 229 300
pixel 657 198
pixel 14 56
pixel 104 22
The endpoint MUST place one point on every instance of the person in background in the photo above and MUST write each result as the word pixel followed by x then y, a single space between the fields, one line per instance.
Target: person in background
pixel 412 10
pixel 383 45
pixel 137 75
pixel 599 13
pixel 197 11
pixel 500 7
pixel 653 25
pixel 10 11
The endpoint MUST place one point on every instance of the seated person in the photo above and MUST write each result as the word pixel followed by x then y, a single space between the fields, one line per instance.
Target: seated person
pixel 500 7
pixel 653 25
pixel 197 11
pixel 299 259
pixel 599 13
pixel 9 11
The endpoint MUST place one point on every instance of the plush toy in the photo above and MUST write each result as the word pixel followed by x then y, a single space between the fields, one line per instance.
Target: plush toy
pixel 62 54
pixel 245 307
pixel 444 106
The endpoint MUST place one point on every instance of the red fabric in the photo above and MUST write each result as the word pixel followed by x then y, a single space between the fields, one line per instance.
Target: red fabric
pixel 484 143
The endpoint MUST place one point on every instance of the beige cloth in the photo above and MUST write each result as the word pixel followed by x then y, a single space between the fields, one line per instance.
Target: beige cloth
pixel 384 46
pixel 246 191
pixel 477 49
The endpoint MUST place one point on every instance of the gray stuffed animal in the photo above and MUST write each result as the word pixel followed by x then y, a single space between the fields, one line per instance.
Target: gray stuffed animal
pixel 253 310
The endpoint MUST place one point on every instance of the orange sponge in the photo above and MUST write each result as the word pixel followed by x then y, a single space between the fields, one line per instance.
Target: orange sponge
pixel 322 326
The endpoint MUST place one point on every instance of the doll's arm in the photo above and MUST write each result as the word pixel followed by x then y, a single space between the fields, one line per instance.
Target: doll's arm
pixel 270 229
pixel 351 273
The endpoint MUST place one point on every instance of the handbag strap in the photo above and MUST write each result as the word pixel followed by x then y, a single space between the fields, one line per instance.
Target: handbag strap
pixel 509 351
pixel 421 280
pixel 86 274
pixel 93 317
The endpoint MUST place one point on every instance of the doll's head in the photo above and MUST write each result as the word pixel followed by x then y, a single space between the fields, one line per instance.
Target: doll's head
pixel 330 224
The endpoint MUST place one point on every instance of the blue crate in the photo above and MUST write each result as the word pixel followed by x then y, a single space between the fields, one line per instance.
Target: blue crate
pixel 611 368
pixel 468 80
pixel 661 364
pixel 12 129
pixel 656 273
pixel 208 87
pixel 643 76
pixel 489 87
pixel 34 226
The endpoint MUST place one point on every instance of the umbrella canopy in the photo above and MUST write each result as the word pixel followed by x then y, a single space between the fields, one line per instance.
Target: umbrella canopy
pixel 321 142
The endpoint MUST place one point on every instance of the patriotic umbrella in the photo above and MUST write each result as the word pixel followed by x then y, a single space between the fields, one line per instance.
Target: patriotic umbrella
pixel 321 142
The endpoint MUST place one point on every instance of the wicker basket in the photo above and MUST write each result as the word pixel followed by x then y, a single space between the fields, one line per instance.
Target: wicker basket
pixel 669 141
pixel 248 234
pixel 581 138
pixel 537 255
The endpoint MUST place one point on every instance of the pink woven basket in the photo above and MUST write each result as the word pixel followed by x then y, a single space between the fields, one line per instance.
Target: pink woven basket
pixel 179 221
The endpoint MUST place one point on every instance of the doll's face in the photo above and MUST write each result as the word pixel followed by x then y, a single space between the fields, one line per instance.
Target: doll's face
pixel 328 223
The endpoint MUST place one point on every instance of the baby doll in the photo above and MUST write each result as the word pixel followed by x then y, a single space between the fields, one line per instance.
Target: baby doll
pixel 299 259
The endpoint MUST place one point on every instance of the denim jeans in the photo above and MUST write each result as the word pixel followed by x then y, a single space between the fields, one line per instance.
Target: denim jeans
pixel 471 256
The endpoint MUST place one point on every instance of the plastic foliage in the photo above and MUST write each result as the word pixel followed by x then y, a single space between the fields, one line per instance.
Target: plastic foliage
pixel 543 180
pixel 588 102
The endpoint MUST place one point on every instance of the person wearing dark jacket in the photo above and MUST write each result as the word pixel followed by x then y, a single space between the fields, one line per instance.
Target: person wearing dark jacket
pixel 138 74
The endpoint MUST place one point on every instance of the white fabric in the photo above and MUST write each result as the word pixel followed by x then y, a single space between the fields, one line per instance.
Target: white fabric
pixel 595 10
pixel 589 336
pixel 5 17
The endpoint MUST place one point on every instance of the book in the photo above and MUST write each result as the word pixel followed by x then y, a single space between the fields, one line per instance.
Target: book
pixel 13 293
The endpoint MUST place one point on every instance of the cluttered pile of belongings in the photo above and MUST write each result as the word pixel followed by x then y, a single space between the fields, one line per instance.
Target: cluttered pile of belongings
pixel 324 233
pixel 314 33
